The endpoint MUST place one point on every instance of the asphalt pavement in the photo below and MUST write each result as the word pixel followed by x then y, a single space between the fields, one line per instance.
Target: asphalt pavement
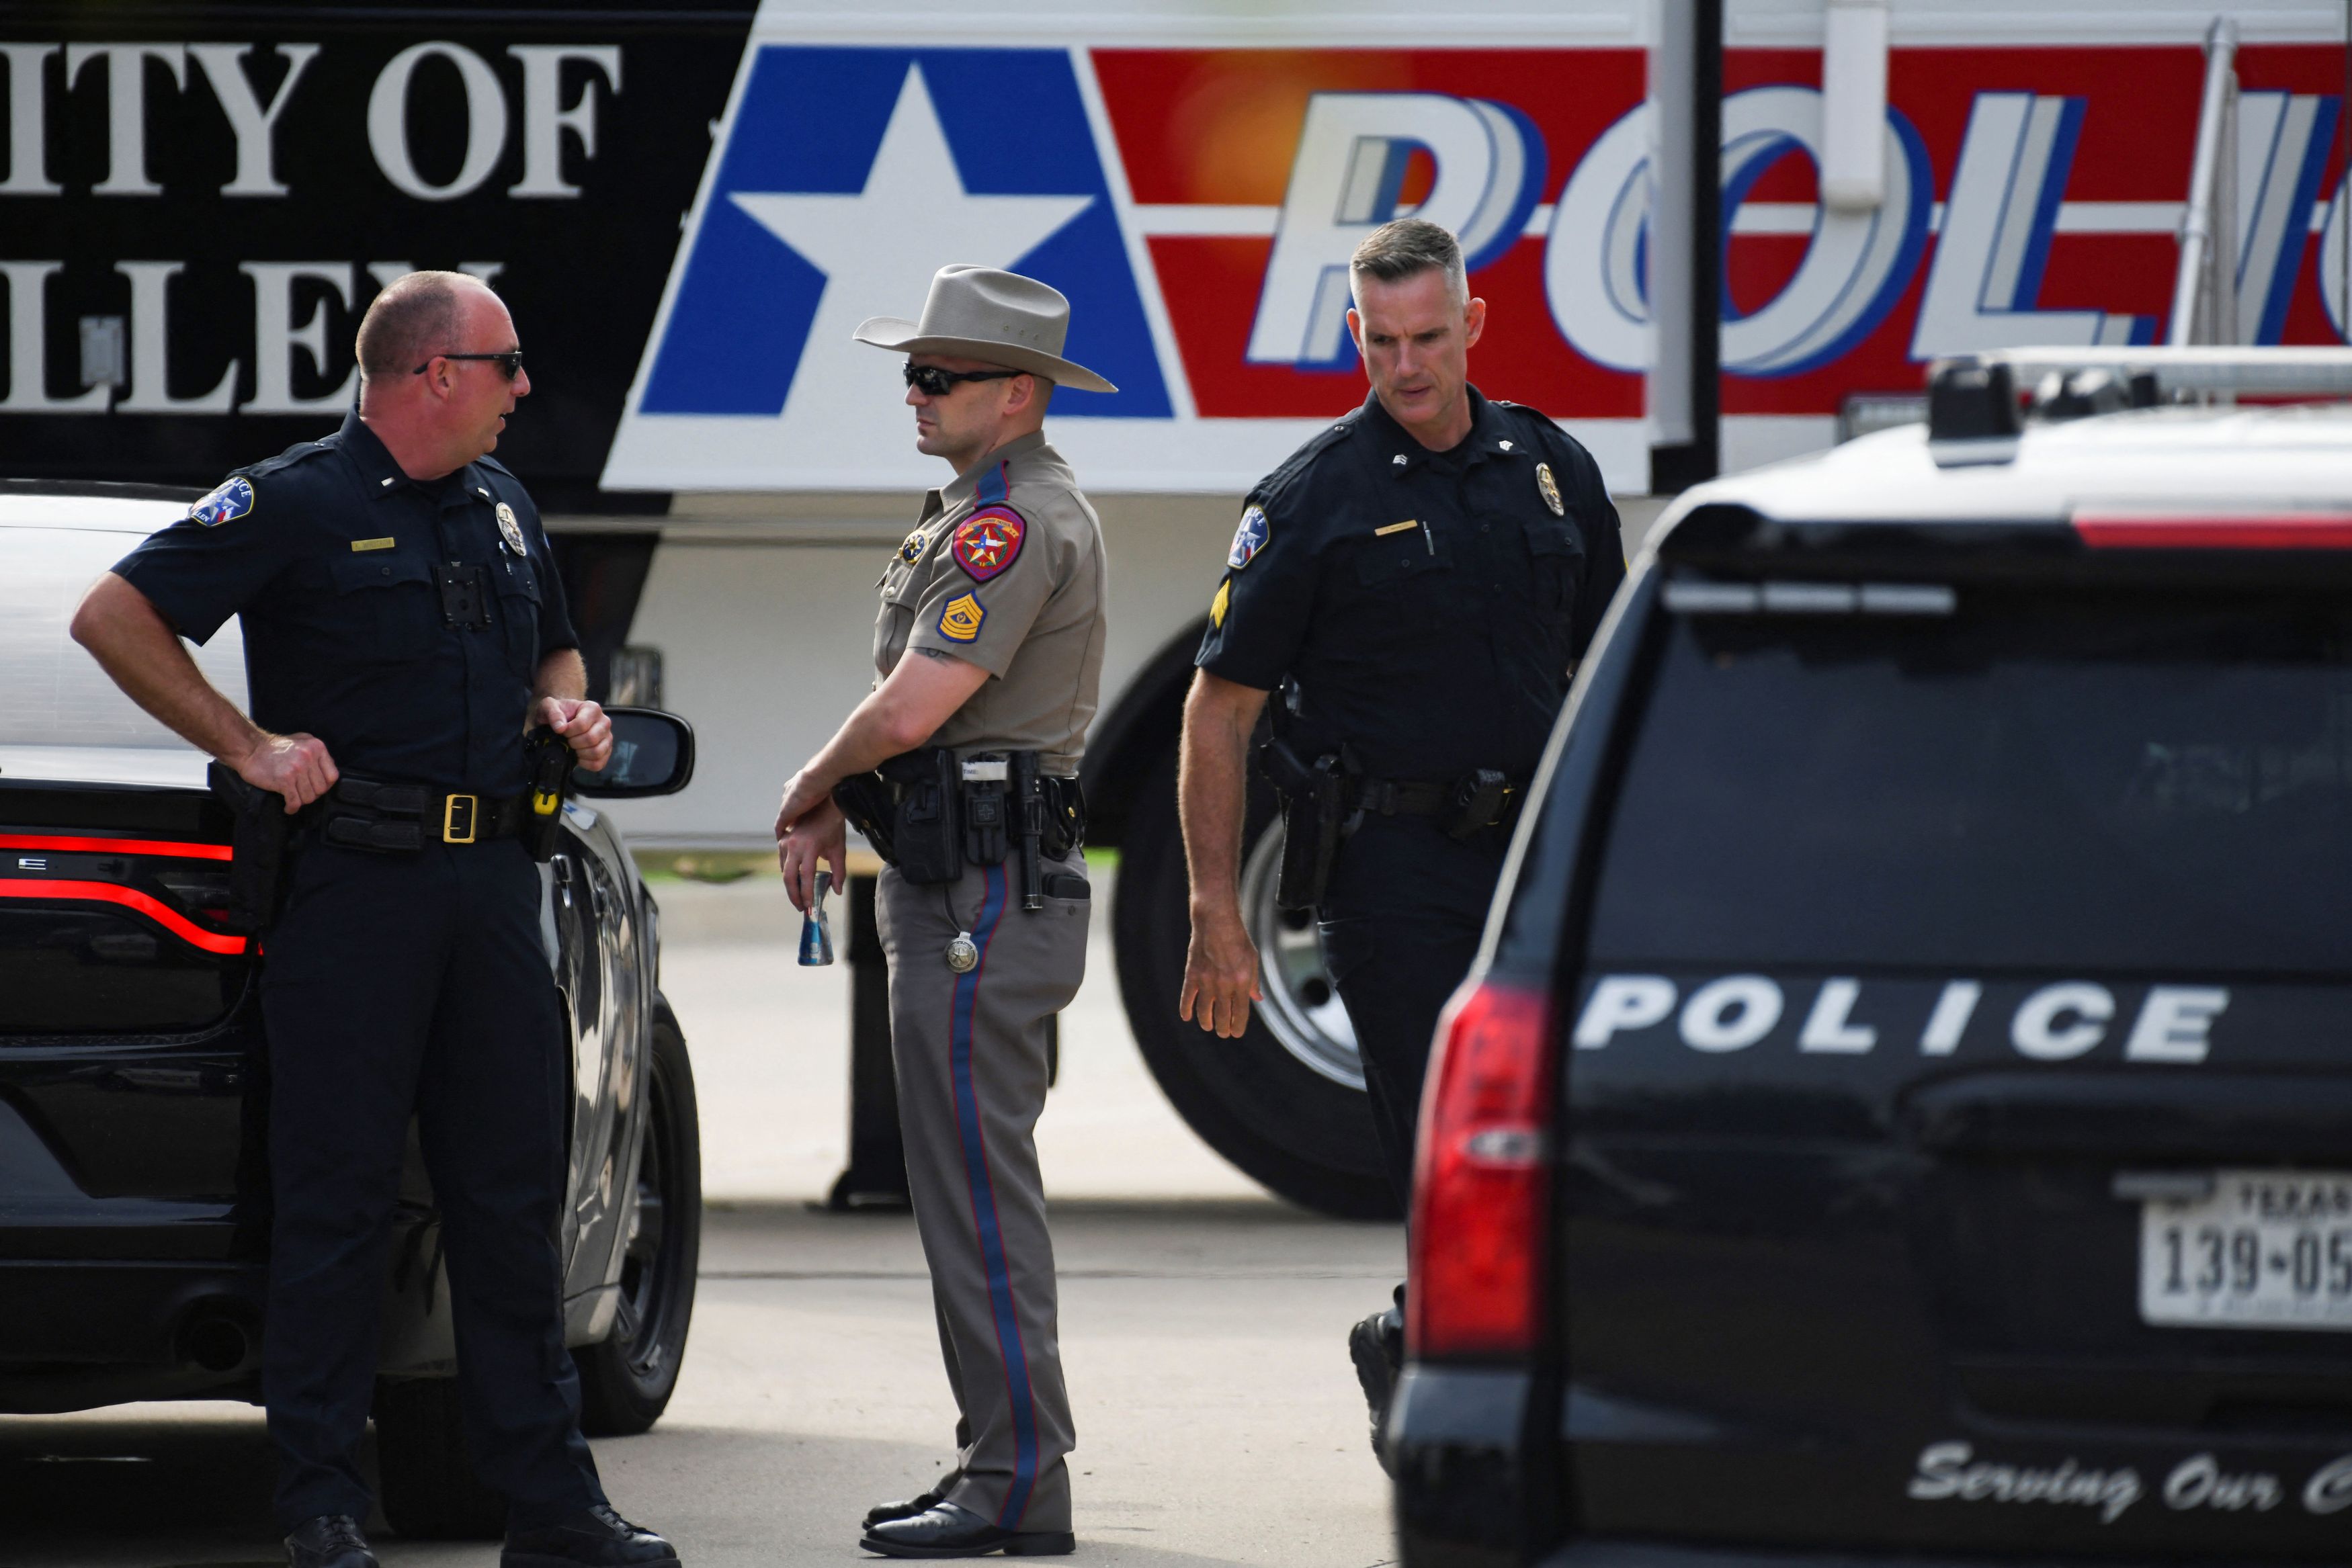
pixel 1202 1330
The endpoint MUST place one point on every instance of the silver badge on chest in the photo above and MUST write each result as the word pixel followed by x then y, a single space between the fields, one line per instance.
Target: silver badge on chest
pixel 510 529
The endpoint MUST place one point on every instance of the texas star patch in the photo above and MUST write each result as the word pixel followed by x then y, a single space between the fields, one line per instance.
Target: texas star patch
pixel 1248 540
pixel 232 500
pixel 988 542
pixel 959 622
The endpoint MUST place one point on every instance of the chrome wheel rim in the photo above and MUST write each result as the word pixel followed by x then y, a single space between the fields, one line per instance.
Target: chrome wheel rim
pixel 1302 1007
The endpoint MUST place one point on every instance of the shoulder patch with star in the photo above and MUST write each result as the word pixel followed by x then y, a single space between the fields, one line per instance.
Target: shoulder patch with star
pixel 1248 539
pixel 232 500
pixel 988 542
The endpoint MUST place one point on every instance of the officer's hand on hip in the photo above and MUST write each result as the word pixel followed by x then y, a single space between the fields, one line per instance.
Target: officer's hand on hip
pixel 583 725
pixel 818 836
pixel 1220 974
pixel 294 766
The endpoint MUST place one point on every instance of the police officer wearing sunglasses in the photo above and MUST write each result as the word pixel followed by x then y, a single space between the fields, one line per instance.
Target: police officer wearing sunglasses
pixel 961 770
pixel 403 625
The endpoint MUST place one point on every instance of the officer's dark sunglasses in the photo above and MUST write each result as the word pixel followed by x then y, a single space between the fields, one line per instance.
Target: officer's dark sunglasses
pixel 934 382
pixel 511 361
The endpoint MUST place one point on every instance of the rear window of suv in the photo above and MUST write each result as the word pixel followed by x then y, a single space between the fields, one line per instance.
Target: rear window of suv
pixel 2130 781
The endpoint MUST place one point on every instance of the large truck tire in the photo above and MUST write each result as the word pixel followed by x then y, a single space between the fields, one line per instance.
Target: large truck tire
pixel 1285 1102
pixel 626 1381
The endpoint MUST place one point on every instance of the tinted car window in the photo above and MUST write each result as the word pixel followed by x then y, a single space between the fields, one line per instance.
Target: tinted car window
pixel 2136 781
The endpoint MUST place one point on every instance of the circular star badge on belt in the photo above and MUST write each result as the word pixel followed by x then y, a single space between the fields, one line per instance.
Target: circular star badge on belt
pixel 510 530
pixel 1551 489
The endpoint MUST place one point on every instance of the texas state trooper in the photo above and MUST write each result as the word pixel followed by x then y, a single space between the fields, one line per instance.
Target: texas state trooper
pixel 1418 581
pixel 989 651
pixel 403 623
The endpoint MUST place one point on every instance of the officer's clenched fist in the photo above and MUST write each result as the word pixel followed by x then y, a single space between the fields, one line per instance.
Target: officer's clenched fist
pixel 294 766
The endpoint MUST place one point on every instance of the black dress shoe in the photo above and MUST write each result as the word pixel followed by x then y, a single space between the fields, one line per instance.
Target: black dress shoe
pixel 882 1513
pixel 330 1540
pixel 597 1538
pixel 950 1530
pixel 1377 1347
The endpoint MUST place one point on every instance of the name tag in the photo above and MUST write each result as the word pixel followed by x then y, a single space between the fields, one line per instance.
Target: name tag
pixel 371 544
pixel 1396 528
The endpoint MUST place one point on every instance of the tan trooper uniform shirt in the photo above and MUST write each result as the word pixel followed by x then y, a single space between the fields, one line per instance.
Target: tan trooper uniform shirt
pixel 1005 569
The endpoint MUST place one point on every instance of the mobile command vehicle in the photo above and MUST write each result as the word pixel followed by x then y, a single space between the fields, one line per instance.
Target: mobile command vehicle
pixel 1697 252
pixel 1900 1115
pixel 134 1093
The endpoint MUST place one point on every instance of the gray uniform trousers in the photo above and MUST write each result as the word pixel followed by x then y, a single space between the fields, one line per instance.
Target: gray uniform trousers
pixel 969 1050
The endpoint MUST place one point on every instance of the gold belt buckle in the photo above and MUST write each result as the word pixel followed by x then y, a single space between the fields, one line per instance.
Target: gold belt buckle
pixel 457 819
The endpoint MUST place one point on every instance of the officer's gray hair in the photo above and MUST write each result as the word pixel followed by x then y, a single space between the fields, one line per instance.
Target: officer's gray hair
pixel 417 316
pixel 1406 248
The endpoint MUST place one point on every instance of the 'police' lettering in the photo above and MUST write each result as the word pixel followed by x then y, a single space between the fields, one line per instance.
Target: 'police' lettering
pixel 2053 1023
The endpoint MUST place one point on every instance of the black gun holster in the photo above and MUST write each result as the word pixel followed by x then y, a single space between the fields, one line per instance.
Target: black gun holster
pixel 549 756
pixel 258 839
pixel 925 828
pixel 1315 807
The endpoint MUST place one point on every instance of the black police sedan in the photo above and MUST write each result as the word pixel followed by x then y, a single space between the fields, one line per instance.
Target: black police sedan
pixel 1903 1113
pixel 134 1090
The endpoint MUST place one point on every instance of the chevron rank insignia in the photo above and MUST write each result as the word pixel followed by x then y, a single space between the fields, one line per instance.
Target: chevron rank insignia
pixel 959 622
pixel 231 501
pixel 988 542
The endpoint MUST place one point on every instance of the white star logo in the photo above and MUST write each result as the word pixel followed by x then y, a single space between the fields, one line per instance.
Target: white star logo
pixel 878 249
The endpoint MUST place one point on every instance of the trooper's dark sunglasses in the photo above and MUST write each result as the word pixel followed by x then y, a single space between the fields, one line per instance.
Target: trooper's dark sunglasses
pixel 511 361
pixel 934 382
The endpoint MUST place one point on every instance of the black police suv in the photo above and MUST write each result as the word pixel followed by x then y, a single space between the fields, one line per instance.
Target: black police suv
pixel 1903 1114
pixel 133 1092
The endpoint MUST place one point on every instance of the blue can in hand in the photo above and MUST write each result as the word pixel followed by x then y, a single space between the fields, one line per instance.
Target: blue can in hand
pixel 816 932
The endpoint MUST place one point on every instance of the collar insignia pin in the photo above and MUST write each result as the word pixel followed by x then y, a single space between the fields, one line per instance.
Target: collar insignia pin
pixel 1551 489
pixel 1504 445
pixel 1398 459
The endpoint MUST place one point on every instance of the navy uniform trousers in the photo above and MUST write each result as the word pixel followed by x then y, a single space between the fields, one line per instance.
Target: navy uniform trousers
pixel 419 982
pixel 1402 920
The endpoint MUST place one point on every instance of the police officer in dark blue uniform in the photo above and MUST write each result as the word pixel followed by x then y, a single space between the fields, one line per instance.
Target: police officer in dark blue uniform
pixel 403 624
pixel 1417 582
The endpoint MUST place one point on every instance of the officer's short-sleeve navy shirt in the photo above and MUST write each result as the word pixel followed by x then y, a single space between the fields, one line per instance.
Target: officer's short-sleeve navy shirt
pixel 1428 606
pixel 328 553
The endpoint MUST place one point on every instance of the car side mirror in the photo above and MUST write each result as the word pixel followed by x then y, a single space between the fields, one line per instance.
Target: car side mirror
pixel 653 754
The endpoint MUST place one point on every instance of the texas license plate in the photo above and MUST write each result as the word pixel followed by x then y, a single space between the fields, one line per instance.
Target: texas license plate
pixel 2264 1249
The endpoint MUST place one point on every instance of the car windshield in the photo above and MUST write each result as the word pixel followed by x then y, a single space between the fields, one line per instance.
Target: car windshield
pixel 2038 779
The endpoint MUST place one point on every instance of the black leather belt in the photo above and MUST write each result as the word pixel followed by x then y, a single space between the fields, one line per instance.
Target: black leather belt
pixel 400 818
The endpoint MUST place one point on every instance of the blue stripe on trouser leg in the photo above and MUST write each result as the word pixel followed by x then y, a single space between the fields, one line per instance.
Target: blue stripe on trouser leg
pixel 984 1210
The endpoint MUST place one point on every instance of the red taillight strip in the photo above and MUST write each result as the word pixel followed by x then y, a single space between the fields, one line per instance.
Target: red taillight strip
pixel 115 846
pixel 2276 531
pixel 162 915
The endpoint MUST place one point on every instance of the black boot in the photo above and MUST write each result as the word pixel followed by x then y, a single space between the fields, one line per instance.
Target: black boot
pixel 1377 1347
pixel 599 1538
pixel 922 1502
pixel 949 1530
pixel 330 1540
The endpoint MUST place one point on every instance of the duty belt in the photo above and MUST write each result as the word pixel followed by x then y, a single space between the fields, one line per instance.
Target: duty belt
pixel 397 819
pixel 1484 799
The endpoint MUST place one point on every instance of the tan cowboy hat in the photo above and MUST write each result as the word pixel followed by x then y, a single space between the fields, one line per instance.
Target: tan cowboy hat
pixel 980 313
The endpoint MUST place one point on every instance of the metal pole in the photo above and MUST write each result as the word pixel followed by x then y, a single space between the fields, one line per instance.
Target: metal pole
pixel 1680 465
pixel 2200 245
